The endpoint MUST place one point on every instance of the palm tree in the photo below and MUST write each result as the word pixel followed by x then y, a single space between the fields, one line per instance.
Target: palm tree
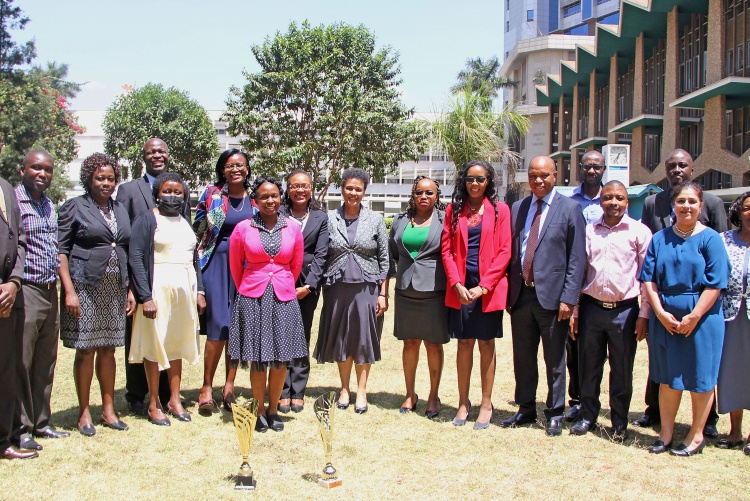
pixel 56 74
pixel 483 75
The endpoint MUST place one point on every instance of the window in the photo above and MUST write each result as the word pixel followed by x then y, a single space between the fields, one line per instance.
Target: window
pixel 530 15
pixel 654 76
pixel 507 26
pixel 377 206
pixel 583 117
pixel 692 54
pixel 601 108
pixel 714 180
pixel 221 132
pixel 572 9
pixel 737 39
pixel 652 151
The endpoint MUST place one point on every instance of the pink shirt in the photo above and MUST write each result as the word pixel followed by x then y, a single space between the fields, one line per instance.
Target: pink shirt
pixel 614 257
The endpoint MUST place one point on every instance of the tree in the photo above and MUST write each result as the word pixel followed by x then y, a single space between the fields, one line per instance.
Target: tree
pixel 56 76
pixel 482 76
pixel 12 54
pixel 169 114
pixel 467 130
pixel 324 100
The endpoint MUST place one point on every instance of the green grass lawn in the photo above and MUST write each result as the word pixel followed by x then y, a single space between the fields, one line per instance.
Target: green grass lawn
pixel 379 455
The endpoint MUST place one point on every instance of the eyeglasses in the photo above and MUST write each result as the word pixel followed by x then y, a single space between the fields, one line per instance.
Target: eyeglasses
pixel 234 166
pixel 478 179
pixel 586 167
pixel 672 165
pixel 304 187
pixel 419 193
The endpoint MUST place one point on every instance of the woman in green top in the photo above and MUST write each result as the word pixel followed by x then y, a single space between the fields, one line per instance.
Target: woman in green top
pixel 420 312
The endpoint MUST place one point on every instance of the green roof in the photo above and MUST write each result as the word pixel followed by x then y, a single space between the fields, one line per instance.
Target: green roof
pixel 589 141
pixel 737 90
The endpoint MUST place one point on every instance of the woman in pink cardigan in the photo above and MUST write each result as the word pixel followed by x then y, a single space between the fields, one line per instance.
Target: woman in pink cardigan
pixel 265 258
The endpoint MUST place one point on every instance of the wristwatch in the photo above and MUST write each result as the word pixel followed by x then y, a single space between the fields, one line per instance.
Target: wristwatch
pixel 484 290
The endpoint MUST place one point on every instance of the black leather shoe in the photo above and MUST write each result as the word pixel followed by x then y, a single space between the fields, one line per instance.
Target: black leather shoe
pixel 285 408
pixel 87 430
pixel 518 419
pixel 710 431
pixel 115 425
pixel 14 453
pixel 405 410
pixel 29 444
pixel 573 414
pixel 433 414
pixel 184 417
pixel 159 422
pixel 554 427
pixel 682 451
pixel 620 433
pixel 297 407
pixel 51 432
pixel 275 422
pixel 138 408
pixel 728 444
pixel 261 425
pixel 646 421
pixel 581 427
pixel 659 447
pixel 229 400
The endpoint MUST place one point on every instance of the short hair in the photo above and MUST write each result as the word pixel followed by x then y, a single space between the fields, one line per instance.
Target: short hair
pixel 264 179
pixel 221 179
pixel 286 200
pixel 355 173
pixel 166 177
pixel 616 184
pixel 736 208
pixel 96 161
pixel 686 185
pixel 28 155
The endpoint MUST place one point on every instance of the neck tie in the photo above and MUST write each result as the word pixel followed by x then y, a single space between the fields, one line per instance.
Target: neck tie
pixel 528 258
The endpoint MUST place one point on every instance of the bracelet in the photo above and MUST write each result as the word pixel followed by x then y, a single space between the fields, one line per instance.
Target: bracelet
pixel 380 294
pixel 202 293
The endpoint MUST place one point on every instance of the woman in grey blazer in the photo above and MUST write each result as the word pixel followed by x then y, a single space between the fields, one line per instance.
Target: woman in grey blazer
pixel 420 311
pixel 355 289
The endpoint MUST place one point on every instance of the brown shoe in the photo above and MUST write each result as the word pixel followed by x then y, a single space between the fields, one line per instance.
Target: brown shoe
pixel 14 453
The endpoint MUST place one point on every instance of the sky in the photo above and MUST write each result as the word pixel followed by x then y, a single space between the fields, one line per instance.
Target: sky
pixel 203 47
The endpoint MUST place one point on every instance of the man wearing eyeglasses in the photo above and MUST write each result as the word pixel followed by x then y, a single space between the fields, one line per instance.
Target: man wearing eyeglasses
pixel 657 215
pixel 137 197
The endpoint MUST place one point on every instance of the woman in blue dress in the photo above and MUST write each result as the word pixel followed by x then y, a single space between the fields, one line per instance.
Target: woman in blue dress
pixel 685 269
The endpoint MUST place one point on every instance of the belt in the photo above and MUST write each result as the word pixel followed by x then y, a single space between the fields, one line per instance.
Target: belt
pixel 612 304
pixel 530 285
pixel 47 286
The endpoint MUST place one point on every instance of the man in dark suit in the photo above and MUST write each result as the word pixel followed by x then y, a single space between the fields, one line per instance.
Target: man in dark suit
pixel 137 197
pixel 546 271
pixel 657 215
pixel 12 260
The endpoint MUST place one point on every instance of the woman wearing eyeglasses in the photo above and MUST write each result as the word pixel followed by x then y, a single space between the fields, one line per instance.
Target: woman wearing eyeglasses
pixel 221 207
pixel 420 312
pixel 299 205
pixel 476 245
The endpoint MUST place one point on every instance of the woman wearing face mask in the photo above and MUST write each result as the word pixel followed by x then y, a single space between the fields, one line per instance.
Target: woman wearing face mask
pixel 168 289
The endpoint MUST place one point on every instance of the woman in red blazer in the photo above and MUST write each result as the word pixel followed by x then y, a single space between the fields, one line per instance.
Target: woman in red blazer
pixel 476 253
pixel 265 258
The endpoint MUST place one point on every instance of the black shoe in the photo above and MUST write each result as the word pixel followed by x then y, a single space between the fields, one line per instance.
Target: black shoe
pixel 710 431
pixel 433 414
pixel 285 408
pixel 51 432
pixel 228 402
pixel 554 427
pixel 746 450
pixel 659 447
pixel 184 417
pixel 115 425
pixel 87 430
pixel 581 427
pixel 159 422
pixel 518 419
pixel 138 408
pixel 682 451
pixel 646 421
pixel 573 414
pixel 261 425
pixel 620 433
pixel 274 422
pixel 341 406
pixel 297 407
pixel 361 410
pixel 29 444
pixel 728 444
pixel 405 410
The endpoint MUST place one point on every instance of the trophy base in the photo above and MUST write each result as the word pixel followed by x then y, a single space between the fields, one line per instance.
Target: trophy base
pixel 245 483
pixel 330 483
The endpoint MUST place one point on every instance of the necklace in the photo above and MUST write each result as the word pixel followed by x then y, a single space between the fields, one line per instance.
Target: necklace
pixel 474 218
pixel 242 205
pixel 684 234
pixel 424 221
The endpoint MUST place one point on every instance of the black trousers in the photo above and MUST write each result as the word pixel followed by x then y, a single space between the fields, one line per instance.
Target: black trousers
pixel 574 381
pixel 531 323
pixel 37 357
pixel 11 332
pixel 136 384
pixel 602 331
pixel 298 373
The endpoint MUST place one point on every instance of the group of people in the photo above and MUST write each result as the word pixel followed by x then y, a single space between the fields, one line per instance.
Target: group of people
pixel 577 274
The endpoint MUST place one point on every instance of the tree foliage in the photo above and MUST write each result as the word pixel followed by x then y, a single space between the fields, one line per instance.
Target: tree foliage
pixel 12 54
pixel 169 114
pixel 482 77
pixel 325 99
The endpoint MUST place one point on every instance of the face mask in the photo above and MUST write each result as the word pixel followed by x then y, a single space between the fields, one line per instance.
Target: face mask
pixel 171 205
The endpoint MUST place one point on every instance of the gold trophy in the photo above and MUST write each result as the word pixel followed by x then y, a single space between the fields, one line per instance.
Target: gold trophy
pixel 244 423
pixel 324 407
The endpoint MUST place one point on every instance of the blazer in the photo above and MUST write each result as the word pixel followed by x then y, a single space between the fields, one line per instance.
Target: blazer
pixel 252 268
pixel 425 272
pixel 370 248
pixel 141 257
pixel 494 255
pixel 137 197
pixel 560 254
pixel 12 237
pixel 657 212
pixel 315 236
pixel 86 240
pixel 731 297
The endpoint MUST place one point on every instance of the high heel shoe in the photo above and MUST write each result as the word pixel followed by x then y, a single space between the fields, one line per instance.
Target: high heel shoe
pixel 184 417
pixel 682 450
pixel 461 422
pixel 229 401
pixel 361 410
pixel 284 408
pixel 405 410
pixel 433 414
pixel 482 426
pixel 159 422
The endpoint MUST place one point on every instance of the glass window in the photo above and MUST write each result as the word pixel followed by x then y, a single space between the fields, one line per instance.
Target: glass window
pixel 572 9
pixel 530 15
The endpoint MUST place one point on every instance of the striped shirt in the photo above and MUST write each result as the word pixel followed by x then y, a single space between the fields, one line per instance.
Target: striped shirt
pixel 40 223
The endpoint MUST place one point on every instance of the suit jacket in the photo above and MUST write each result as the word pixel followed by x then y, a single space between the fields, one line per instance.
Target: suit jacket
pixel 494 255
pixel 425 272
pixel 137 197
pixel 370 248
pixel 85 238
pixel 252 268
pixel 315 237
pixel 12 237
pixel 560 255
pixel 657 212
